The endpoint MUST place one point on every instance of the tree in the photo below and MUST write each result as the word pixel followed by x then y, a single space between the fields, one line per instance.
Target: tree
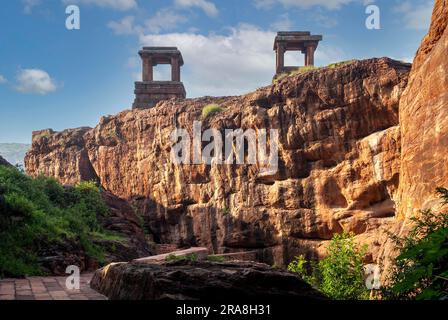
pixel 340 275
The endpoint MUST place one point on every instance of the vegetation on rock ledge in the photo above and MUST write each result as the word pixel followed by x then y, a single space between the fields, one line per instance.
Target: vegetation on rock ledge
pixel 37 214
pixel 210 110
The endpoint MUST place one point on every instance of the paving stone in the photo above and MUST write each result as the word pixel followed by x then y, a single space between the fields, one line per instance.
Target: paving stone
pixel 30 297
pixel 47 288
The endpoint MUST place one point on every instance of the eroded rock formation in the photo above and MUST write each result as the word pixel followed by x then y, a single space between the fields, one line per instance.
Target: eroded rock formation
pixel 339 164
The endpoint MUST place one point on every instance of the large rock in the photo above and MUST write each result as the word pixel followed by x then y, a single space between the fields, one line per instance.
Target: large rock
pixel 424 120
pixel 187 280
pixel 339 149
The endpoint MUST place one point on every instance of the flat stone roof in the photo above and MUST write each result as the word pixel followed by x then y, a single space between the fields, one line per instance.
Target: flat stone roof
pixel 295 38
pixel 162 54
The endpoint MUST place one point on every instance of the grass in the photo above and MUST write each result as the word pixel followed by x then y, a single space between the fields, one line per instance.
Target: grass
pixel 190 257
pixel 306 69
pixel 36 213
pixel 293 72
pixel 340 64
pixel 210 110
pixel 216 259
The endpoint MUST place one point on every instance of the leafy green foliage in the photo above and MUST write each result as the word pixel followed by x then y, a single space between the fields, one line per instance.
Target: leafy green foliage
pixel 302 267
pixel 37 213
pixel 421 269
pixel 340 275
pixel 210 110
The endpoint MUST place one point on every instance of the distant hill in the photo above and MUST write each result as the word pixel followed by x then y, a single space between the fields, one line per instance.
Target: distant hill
pixel 14 153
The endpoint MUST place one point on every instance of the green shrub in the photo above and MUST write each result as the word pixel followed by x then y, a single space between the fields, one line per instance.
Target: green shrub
pixel 210 110
pixel 302 267
pixel 421 269
pixel 340 275
pixel 37 213
pixel 342 270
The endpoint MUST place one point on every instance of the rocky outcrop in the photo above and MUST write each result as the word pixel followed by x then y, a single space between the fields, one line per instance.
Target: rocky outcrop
pixel 61 154
pixel 201 280
pixel 424 120
pixel 339 150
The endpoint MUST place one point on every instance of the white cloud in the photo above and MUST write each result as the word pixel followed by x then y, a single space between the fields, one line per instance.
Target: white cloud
pixel 207 6
pixel 28 5
pixel 284 23
pixel 122 5
pixel 2 79
pixel 35 81
pixel 325 20
pixel 164 19
pixel 415 16
pixel 328 4
pixel 123 27
pixel 232 63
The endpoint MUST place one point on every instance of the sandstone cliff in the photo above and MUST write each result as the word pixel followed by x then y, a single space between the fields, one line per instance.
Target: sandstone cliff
pixel 424 120
pixel 339 164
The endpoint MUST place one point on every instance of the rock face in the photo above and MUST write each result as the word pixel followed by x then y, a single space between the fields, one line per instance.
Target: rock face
pixel 424 120
pixel 123 219
pixel 62 154
pixel 339 150
pixel 186 280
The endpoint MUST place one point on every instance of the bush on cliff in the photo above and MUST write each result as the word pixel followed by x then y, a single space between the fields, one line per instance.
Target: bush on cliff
pixel 421 269
pixel 36 214
pixel 340 275
pixel 210 110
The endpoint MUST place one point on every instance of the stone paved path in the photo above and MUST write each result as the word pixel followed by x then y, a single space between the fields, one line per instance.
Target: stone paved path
pixel 47 288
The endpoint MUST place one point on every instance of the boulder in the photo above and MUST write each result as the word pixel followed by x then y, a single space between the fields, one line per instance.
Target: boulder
pixel 200 280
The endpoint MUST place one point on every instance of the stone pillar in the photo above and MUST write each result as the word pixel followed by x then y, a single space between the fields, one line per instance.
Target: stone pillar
pixel 280 58
pixel 147 69
pixel 309 55
pixel 175 70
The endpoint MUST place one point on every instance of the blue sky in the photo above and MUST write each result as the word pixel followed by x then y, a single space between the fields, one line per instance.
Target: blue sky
pixel 51 77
